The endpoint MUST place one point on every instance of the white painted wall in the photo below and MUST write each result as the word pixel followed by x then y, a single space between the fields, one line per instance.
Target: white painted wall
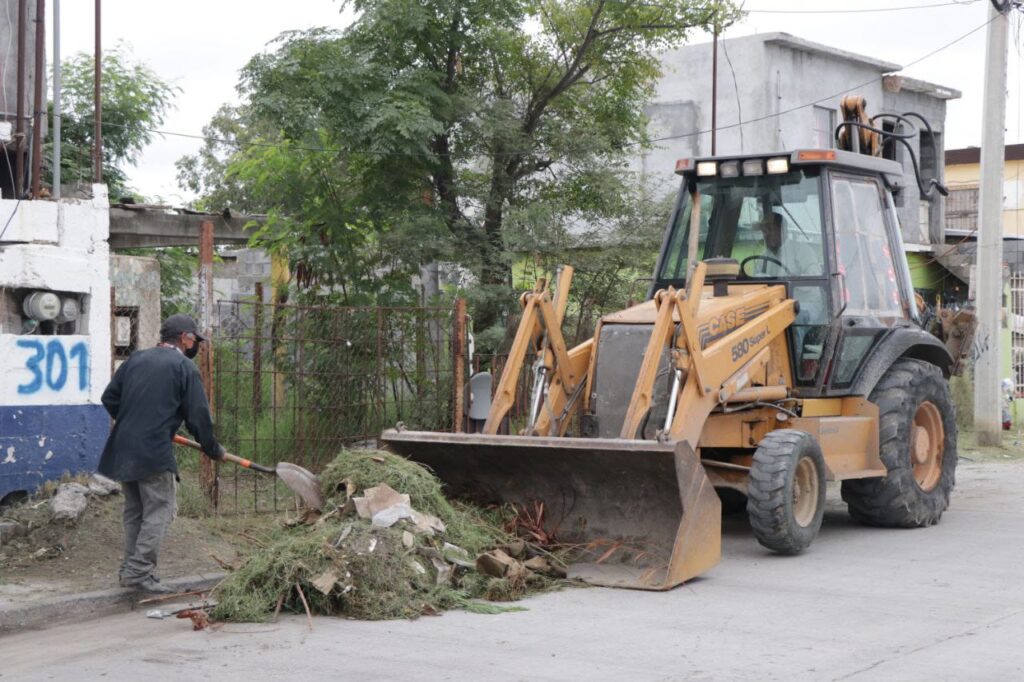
pixel 60 246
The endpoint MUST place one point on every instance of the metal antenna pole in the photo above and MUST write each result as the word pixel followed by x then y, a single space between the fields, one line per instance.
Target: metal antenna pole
pixel 714 90
pixel 988 272
pixel 56 99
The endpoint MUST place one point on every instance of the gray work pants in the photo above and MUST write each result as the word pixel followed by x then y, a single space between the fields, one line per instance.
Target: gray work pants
pixel 150 505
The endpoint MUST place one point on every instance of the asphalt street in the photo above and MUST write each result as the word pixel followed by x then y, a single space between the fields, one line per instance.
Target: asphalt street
pixel 941 603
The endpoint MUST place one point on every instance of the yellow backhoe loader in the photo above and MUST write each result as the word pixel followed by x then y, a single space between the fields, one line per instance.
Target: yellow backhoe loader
pixel 781 346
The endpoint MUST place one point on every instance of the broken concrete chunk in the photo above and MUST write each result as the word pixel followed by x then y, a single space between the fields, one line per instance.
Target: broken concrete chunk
pixel 456 555
pixel 541 565
pixel 444 570
pixel 69 502
pixel 10 530
pixel 516 548
pixel 407 539
pixel 495 563
pixel 103 486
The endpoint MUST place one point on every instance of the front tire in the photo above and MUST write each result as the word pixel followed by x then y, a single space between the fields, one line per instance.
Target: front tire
pixel 786 492
pixel 917 444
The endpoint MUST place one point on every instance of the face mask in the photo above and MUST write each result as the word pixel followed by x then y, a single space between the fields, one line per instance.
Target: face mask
pixel 193 351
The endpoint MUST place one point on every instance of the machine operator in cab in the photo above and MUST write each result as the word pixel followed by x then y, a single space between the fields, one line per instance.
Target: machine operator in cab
pixel 783 256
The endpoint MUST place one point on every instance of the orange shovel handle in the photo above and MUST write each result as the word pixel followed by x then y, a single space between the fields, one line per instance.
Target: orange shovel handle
pixel 248 464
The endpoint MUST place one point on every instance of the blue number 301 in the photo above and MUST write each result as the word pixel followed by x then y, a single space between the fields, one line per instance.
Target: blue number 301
pixel 49 365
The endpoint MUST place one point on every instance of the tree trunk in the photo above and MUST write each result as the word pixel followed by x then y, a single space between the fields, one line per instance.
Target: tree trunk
pixel 496 268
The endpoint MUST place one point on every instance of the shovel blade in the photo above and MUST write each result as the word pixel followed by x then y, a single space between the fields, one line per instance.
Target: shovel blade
pixel 641 514
pixel 302 482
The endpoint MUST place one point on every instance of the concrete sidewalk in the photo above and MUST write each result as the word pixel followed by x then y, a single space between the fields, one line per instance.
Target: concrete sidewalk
pixel 27 606
pixel 938 603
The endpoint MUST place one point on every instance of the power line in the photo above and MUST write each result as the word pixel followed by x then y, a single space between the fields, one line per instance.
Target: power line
pixel 326 150
pixel 869 10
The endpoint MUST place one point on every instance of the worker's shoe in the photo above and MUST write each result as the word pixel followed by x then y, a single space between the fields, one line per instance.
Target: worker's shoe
pixel 150 584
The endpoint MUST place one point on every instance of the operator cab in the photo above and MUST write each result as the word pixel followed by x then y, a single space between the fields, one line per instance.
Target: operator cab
pixel 821 222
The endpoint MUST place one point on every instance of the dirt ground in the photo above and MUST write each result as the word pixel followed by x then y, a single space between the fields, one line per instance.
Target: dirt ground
pixel 85 556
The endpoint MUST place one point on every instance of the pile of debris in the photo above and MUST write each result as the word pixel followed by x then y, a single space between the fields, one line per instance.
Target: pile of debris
pixel 38 528
pixel 387 544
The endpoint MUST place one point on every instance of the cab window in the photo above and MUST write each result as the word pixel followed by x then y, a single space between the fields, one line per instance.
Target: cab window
pixel 864 254
pixel 769 223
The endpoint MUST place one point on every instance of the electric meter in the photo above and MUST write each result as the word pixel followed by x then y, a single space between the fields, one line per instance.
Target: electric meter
pixel 41 306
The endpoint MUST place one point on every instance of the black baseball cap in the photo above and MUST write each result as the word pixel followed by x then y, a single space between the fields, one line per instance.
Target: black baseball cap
pixel 176 325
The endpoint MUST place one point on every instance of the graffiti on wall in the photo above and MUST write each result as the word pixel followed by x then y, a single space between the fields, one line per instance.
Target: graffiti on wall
pixel 42 370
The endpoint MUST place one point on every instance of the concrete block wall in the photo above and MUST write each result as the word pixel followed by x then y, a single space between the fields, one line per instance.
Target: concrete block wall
pixel 51 419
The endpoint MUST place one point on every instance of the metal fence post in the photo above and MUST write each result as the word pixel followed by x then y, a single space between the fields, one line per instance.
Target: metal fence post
pixel 257 352
pixel 458 363
pixel 207 469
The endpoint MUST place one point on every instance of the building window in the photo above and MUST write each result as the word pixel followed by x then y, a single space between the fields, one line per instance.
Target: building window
pixel 890 147
pixel 929 164
pixel 962 209
pixel 824 126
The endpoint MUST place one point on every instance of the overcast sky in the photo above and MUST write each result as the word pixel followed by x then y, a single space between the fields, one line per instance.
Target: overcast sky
pixel 200 47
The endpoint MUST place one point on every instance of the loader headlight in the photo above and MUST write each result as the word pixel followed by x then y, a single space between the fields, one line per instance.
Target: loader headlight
pixel 779 165
pixel 706 168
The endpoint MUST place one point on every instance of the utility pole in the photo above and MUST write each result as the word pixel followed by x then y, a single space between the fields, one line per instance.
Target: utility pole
pixel 97 143
pixel 988 271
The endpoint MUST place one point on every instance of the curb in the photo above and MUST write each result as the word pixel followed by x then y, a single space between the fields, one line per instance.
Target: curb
pixel 69 608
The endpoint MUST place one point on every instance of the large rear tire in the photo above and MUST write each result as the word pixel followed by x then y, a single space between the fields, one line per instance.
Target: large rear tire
pixel 786 492
pixel 917 444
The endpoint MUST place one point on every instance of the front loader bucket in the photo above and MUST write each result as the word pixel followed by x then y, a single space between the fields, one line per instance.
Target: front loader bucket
pixel 642 514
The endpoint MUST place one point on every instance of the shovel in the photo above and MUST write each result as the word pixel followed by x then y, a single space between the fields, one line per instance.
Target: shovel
pixel 300 481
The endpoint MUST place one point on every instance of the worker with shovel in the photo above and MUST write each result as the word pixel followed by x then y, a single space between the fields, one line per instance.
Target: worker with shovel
pixel 150 396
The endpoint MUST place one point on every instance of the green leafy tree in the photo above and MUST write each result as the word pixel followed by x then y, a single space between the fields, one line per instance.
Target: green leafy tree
pixel 442 123
pixel 134 102
pixel 216 172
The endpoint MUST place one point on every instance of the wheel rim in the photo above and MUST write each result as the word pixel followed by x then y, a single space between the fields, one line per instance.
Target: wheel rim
pixel 926 446
pixel 805 492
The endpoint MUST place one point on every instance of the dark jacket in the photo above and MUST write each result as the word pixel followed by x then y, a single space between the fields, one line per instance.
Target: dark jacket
pixel 149 397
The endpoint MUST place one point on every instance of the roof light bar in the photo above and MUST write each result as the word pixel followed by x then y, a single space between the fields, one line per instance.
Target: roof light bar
pixel 706 168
